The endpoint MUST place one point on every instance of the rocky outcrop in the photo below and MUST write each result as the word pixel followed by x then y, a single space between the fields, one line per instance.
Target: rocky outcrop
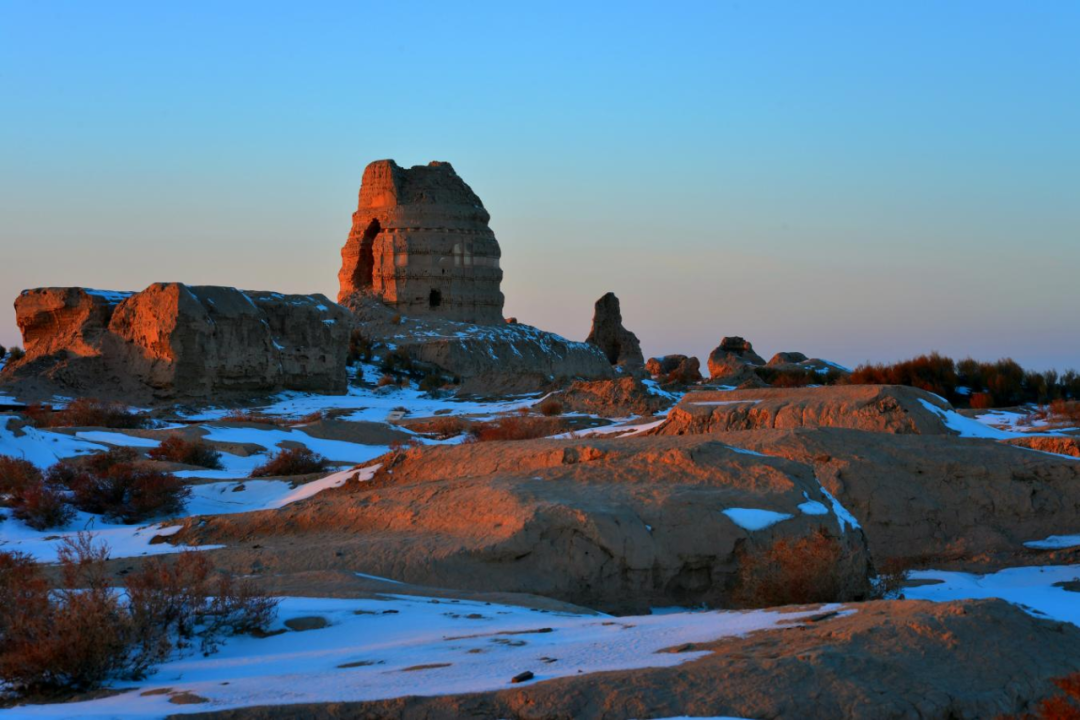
pixel 732 358
pixel 174 341
pixel 787 358
pixel 619 345
pixel 505 358
pixel 420 243
pixel 935 497
pixel 877 408
pixel 618 525
pixel 622 397
pixel 896 659
pixel 675 369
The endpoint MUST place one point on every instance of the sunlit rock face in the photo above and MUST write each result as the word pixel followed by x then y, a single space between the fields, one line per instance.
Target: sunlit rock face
pixel 420 242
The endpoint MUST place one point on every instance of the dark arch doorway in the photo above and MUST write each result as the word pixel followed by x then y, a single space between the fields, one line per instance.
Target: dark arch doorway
pixel 434 299
pixel 365 265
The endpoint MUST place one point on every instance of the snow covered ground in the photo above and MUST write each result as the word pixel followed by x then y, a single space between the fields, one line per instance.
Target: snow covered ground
pixel 1039 590
pixel 402 645
pixel 41 447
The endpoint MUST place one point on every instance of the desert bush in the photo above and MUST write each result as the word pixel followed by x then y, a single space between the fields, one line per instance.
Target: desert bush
pixel 42 506
pixel 359 348
pixel 1065 411
pixel 397 362
pixel 814 568
pixel 15 354
pixel 249 416
pixel 84 633
pixel 516 427
pixel 1002 383
pixel 386 380
pixel 16 475
pixel 101 463
pixel 441 427
pixel 431 382
pixel 127 493
pixel 87 412
pixel 187 452
pixel 550 407
pixel 291 461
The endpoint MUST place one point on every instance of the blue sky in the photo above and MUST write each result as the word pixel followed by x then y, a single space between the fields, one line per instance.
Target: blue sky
pixel 852 180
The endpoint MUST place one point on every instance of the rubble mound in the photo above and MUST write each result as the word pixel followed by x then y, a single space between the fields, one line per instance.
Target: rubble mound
pixel 623 397
pixel 507 358
pixel 616 342
pixel 878 408
pixel 675 369
pixel 420 242
pixel 172 341
pixel 618 525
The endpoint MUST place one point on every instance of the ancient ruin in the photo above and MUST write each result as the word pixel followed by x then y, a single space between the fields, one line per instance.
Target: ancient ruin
pixel 420 242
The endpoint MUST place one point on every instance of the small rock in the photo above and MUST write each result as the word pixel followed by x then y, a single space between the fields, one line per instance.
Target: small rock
pixel 522 677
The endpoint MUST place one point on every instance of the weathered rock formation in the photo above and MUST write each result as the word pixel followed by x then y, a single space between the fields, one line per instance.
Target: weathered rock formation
pixel 617 525
pixel 787 358
pixel 174 341
pixel 934 497
pixel 619 345
pixel 732 360
pixel 675 369
pixel 878 408
pixel 1056 444
pixel 879 660
pixel 500 358
pixel 420 242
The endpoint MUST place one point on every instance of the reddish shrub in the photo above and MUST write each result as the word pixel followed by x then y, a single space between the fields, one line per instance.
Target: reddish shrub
pixel 41 506
pixel 87 412
pixel 83 634
pixel 516 428
pixel 550 407
pixel 387 380
pixel 811 569
pixel 128 493
pixel 16 475
pixel 187 452
pixel 441 427
pixel 1065 411
pixel 291 461
pixel 982 401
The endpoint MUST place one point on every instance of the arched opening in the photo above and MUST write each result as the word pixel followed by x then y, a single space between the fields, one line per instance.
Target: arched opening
pixel 434 299
pixel 365 266
pixel 613 352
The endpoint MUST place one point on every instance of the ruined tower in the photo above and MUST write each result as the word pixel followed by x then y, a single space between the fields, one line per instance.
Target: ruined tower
pixel 420 242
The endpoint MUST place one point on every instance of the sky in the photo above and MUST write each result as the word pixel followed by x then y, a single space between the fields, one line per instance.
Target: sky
pixel 856 181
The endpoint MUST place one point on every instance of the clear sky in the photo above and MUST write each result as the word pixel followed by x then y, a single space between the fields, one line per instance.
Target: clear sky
pixel 862 180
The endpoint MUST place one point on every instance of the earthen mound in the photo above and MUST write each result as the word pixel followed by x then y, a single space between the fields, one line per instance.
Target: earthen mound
pixel 878 408
pixel 935 498
pixel 618 525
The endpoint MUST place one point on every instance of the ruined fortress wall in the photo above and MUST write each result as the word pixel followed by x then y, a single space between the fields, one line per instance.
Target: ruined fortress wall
pixel 420 242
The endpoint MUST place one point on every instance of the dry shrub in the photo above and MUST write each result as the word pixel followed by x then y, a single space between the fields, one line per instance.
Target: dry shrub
pixel 121 490
pixel 550 407
pixel 14 354
pixel 87 412
pixel 386 380
pixel 440 427
pixel 42 506
pixel 1065 411
pixel 815 568
pixel 84 633
pixel 516 427
pixel 291 461
pixel 16 475
pixel 982 401
pixel 187 452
